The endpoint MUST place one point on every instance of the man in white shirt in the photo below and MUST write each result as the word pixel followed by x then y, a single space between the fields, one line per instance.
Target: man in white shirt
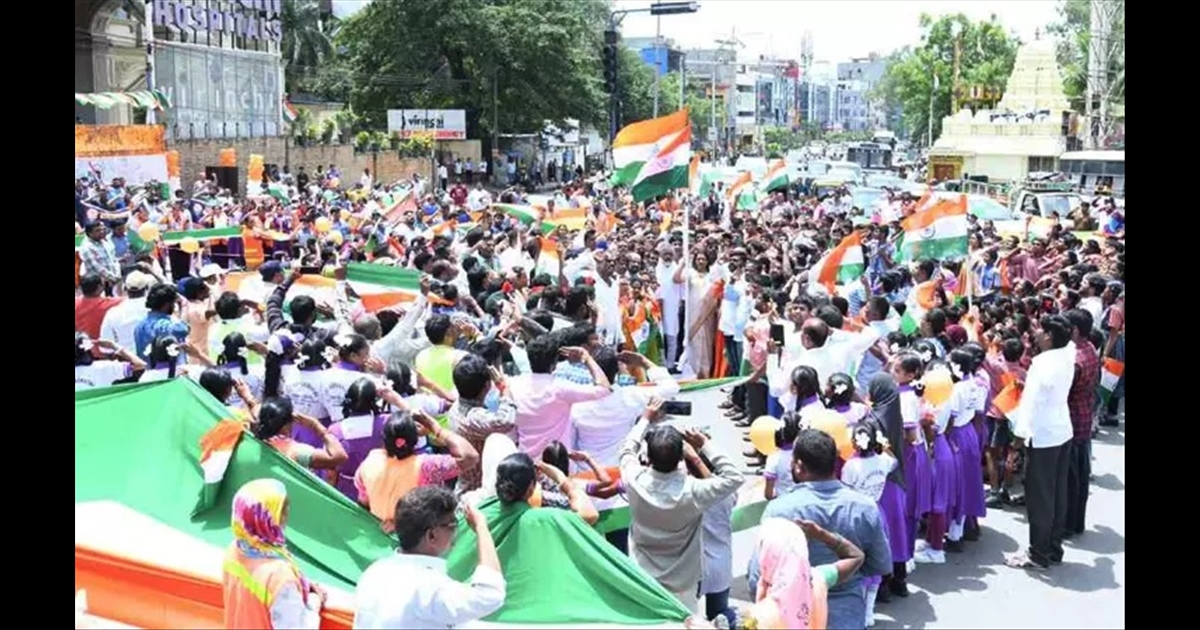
pixel 600 426
pixel 827 351
pixel 120 321
pixel 671 292
pixel 443 177
pixel 1042 425
pixel 411 589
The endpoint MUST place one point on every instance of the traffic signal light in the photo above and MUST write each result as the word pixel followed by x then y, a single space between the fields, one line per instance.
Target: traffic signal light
pixel 610 61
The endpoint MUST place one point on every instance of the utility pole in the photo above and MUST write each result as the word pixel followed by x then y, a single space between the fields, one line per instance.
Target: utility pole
pixel 495 120
pixel 658 48
pixel 148 36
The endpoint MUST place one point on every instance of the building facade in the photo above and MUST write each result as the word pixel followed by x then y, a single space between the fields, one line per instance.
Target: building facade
pixel 218 61
pixel 856 109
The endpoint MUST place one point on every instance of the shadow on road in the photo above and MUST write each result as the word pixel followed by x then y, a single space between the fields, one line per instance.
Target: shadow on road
pixel 914 611
pixel 1080 577
pixel 1100 540
pixel 966 571
pixel 1109 481
pixel 1114 436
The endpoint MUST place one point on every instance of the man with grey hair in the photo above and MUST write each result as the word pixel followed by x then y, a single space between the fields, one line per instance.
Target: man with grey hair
pixel 671 293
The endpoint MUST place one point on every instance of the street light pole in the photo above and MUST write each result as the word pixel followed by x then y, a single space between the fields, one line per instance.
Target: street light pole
pixel 657 49
pixel 682 81
pixel 148 36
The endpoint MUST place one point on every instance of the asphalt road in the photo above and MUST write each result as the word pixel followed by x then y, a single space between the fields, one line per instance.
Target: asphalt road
pixel 974 589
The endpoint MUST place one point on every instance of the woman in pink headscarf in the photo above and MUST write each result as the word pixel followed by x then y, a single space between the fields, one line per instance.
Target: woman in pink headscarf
pixel 791 592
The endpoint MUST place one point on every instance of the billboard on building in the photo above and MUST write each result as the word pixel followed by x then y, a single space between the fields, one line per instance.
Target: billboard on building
pixel 219 93
pixel 443 124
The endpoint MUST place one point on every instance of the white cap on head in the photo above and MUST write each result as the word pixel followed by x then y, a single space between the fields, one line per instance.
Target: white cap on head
pixel 139 281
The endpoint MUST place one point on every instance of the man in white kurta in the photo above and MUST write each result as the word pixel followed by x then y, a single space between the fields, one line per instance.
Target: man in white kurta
pixel 670 296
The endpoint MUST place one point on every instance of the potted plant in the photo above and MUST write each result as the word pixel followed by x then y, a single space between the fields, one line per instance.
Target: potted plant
pixel 346 121
pixel 362 141
pixel 379 140
pixel 329 131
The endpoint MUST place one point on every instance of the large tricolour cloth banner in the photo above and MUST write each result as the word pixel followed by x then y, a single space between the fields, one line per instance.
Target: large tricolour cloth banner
pixel 140 446
pixel 651 157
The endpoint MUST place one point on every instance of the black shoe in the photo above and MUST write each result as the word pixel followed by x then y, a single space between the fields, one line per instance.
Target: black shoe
pixel 954 546
pixel 995 501
pixel 899 588
pixel 971 534
pixel 1110 423
pixel 882 596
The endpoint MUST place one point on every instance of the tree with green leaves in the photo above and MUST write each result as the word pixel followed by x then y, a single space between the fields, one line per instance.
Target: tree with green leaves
pixel 1074 35
pixel 529 60
pixel 307 42
pixel 986 52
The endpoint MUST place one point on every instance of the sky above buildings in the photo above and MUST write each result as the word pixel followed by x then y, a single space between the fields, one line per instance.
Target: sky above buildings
pixel 842 29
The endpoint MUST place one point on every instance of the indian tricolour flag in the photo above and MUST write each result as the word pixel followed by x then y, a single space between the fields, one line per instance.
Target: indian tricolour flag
pixel 383 286
pixel 290 113
pixel 845 263
pixel 651 157
pixel 937 232
pixel 525 214
pixel 776 177
pixel 175 238
pixel 920 300
pixel 1110 374
pixel 548 260
pixel 216 451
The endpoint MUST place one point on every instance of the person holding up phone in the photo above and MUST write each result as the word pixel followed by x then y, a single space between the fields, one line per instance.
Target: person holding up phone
pixel 667 505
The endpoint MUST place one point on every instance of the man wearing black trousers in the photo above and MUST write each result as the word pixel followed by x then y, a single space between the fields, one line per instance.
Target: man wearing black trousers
pixel 1042 423
pixel 1082 402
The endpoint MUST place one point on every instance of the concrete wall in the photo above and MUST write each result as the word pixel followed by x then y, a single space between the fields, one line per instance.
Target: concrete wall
pixel 388 166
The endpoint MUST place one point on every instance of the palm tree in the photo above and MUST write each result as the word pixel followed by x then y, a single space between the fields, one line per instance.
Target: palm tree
pixel 307 40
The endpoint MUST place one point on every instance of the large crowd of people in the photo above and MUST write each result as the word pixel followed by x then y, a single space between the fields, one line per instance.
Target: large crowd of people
pixel 539 365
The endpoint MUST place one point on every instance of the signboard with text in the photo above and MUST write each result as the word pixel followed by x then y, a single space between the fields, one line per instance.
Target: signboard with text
pixel 442 124
pixel 253 19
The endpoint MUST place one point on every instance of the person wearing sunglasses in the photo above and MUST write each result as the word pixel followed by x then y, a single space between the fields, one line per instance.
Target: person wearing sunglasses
pixel 410 589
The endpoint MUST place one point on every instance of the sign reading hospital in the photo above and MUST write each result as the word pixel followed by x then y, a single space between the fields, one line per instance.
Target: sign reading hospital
pixel 442 124
pixel 252 19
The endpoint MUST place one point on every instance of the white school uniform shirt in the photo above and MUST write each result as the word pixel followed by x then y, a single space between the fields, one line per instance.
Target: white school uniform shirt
pixel 1043 418
pixel 254 378
pixel 957 411
pixel 333 389
pixel 304 387
pixel 100 374
pixel 910 411
pixel 162 374
pixel 410 591
pixel 868 475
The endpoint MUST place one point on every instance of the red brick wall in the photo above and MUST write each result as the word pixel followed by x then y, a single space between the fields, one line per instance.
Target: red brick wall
pixel 195 155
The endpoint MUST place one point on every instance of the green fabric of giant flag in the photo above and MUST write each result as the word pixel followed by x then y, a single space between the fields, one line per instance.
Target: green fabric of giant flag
pixel 560 571
pixel 139 445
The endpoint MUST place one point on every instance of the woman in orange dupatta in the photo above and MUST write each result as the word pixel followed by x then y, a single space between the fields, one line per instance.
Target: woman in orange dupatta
pixel 389 473
pixel 792 593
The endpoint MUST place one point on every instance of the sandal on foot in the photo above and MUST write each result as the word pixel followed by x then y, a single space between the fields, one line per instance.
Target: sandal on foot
pixel 1023 561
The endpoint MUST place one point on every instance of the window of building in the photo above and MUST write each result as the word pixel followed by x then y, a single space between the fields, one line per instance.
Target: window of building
pixel 1038 163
